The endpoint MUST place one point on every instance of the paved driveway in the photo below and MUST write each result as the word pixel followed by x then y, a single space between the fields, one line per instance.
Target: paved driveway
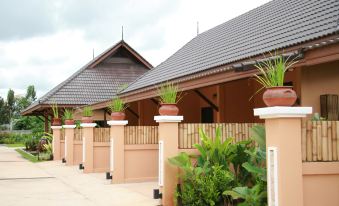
pixel 52 183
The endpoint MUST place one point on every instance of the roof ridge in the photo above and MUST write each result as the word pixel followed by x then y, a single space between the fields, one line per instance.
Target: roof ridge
pixel 45 97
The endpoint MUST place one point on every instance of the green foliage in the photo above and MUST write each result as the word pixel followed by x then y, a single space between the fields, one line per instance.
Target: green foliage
pixel 169 93
pixel 201 185
pixel 87 111
pixel 224 172
pixel 29 123
pixel 31 144
pixel 255 196
pixel 117 105
pixel 30 93
pixel 258 135
pixel 68 114
pixel 272 71
pixel 27 155
pixel 55 110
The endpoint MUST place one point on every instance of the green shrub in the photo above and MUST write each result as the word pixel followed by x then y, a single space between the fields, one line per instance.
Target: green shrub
pixel 117 105
pixel 224 173
pixel 87 111
pixel 169 93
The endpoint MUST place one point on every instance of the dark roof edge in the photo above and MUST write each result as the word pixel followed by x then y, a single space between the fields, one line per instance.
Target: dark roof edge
pixel 231 66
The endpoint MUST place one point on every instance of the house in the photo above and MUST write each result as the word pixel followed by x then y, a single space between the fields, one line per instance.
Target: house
pixel 214 70
pixel 97 81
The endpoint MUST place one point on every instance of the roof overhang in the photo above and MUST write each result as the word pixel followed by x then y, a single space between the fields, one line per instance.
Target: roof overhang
pixel 311 53
pixel 43 109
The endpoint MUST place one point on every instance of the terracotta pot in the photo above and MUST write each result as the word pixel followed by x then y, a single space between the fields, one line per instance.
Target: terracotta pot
pixel 86 120
pixel 168 110
pixel 69 122
pixel 279 96
pixel 56 122
pixel 118 115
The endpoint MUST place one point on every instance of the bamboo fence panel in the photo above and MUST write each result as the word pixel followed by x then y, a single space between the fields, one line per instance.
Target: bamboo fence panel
pixel 141 135
pixel 189 132
pixel 78 134
pixel 321 141
pixel 101 134
pixel 62 134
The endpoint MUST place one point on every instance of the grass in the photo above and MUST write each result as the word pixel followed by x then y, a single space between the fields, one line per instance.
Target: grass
pixel 15 145
pixel 27 156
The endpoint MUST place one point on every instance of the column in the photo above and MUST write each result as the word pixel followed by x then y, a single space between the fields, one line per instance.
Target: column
pixel 284 159
pixel 168 147
pixel 88 146
pixel 117 150
pixel 69 144
pixel 56 142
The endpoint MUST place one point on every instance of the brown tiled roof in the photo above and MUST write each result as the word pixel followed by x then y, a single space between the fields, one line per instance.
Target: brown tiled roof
pixel 99 80
pixel 275 25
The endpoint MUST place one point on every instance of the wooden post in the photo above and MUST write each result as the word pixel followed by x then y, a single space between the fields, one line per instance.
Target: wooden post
pixel 69 144
pixel 46 122
pixel 56 142
pixel 284 156
pixel 88 146
pixel 168 147
pixel 221 103
pixel 117 150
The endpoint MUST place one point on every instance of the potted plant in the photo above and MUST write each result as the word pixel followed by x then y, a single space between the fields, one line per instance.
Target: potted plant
pixel 117 107
pixel 271 76
pixel 87 114
pixel 169 97
pixel 56 119
pixel 68 116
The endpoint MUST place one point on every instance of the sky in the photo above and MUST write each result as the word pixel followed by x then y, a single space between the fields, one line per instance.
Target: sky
pixel 44 42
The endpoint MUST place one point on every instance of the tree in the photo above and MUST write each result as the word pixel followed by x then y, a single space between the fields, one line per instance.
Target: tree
pixel 3 112
pixel 31 94
pixel 10 104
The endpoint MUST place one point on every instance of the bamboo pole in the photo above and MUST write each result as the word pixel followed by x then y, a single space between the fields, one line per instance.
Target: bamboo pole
pixel 303 140
pixel 314 141
pixel 334 141
pixel 324 140
pixel 329 141
pixel 309 141
pixel 319 141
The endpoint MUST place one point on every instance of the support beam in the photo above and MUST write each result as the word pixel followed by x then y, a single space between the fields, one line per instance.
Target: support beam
pixel 215 107
pixel 155 101
pixel 133 112
pixel 46 122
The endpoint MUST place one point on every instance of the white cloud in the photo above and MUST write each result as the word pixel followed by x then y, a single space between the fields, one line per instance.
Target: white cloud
pixel 156 29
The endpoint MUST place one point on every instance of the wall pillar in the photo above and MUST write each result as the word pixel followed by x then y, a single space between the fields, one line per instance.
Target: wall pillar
pixel 88 146
pixel 117 150
pixel 284 159
pixel 168 147
pixel 56 142
pixel 69 144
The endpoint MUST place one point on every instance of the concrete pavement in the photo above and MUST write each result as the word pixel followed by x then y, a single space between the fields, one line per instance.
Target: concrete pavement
pixel 53 184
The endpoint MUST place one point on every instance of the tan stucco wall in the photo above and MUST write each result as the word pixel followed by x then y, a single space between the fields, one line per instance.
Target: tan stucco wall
pixel 77 148
pixel 141 163
pixel 321 183
pixel 62 149
pixel 317 80
pixel 101 154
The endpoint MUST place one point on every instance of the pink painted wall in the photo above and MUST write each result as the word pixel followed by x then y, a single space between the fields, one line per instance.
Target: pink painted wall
pixel 77 149
pixel 141 163
pixel 321 183
pixel 62 148
pixel 101 157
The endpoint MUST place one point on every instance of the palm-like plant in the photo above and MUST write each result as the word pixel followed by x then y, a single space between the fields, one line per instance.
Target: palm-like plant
pixel 68 114
pixel 87 111
pixel 169 93
pixel 272 70
pixel 55 110
pixel 117 105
